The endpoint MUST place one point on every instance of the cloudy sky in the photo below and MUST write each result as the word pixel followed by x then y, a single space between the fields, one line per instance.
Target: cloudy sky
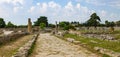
pixel 18 11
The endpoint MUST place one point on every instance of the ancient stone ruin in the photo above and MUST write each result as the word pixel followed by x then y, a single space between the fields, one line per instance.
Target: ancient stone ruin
pixel 29 26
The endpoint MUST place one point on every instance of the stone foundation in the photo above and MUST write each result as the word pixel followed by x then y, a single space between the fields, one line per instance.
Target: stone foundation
pixel 23 51
pixel 7 38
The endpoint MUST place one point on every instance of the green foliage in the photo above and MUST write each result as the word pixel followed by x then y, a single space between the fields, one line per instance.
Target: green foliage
pixel 10 25
pixel 51 25
pixel 112 45
pixel 75 23
pixel 2 23
pixel 93 21
pixel 42 25
pixel 64 25
pixel 109 24
pixel 22 26
pixel 41 19
pixel 118 23
pixel 105 55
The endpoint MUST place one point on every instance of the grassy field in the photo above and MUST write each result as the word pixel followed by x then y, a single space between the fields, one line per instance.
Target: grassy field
pixel 93 42
pixel 9 49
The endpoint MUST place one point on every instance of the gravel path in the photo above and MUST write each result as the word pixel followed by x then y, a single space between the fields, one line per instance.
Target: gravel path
pixel 51 46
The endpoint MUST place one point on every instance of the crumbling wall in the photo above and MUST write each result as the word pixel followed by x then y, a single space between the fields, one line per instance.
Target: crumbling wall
pixel 24 50
pixel 7 38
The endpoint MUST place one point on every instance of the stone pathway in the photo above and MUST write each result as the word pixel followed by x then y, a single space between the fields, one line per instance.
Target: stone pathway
pixel 51 46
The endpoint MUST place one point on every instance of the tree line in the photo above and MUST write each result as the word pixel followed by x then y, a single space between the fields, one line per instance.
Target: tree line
pixel 42 21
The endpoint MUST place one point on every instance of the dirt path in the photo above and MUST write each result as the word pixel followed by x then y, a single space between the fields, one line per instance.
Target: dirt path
pixel 51 46
pixel 9 49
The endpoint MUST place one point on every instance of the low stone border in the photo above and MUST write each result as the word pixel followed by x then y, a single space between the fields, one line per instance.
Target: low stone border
pixel 100 36
pixel 7 38
pixel 106 51
pixel 23 51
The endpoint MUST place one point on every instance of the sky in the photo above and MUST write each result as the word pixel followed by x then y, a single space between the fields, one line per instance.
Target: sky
pixel 18 11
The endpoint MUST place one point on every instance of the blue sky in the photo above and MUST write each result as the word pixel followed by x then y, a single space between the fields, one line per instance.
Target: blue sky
pixel 18 11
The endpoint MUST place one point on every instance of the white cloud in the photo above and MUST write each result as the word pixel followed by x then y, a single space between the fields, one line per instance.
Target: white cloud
pixel 16 9
pixel 53 5
pixel 38 4
pixel 96 2
pixel 14 2
pixel 54 11
pixel 115 4
pixel 78 6
pixel 69 6
pixel 31 9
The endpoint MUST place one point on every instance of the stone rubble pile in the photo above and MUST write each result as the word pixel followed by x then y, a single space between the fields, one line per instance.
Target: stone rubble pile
pixel 108 52
pixel 99 36
pixel 23 51
pixel 60 33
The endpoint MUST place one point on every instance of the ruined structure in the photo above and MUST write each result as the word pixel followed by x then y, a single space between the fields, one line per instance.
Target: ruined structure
pixel 56 28
pixel 29 25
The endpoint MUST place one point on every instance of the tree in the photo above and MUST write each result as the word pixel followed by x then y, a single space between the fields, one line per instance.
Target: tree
pixel 41 19
pixel 118 23
pixel 93 21
pixel 10 25
pixel 110 24
pixel 51 25
pixel 2 23
pixel 42 25
pixel 64 25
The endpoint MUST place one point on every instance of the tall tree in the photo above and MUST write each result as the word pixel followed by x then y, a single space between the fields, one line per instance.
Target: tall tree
pixel 10 24
pixel 2 23
pixel 41 19
pixel 94 20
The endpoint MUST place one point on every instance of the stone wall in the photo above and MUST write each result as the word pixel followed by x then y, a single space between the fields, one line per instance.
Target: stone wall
pixel 108 52
pixel 24 50
pixel 100 36
pixel 7 38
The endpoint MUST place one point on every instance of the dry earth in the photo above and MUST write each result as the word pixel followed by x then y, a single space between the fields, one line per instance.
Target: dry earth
pixel 51 46
pixel 9 49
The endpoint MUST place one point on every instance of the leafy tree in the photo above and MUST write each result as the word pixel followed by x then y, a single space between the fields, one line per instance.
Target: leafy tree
pixel 118 23
pixel 10 25
pixel 42 25
pixel 109 24
pixel 51 25
pixel 64 25
pixel 2 23
pixel 93 21
pixel 41 19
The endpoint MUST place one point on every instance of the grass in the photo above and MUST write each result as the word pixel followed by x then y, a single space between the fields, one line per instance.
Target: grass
pixel 115 46
pixel 9 49
pixel 104 55
pixel 31 50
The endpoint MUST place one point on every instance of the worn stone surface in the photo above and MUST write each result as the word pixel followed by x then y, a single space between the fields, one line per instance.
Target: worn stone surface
pixel 108 52
pixel 51 46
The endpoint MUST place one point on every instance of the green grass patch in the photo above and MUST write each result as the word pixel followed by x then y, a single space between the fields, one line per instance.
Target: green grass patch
pixel 32 48
pixel 104 55
pixel 115 46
